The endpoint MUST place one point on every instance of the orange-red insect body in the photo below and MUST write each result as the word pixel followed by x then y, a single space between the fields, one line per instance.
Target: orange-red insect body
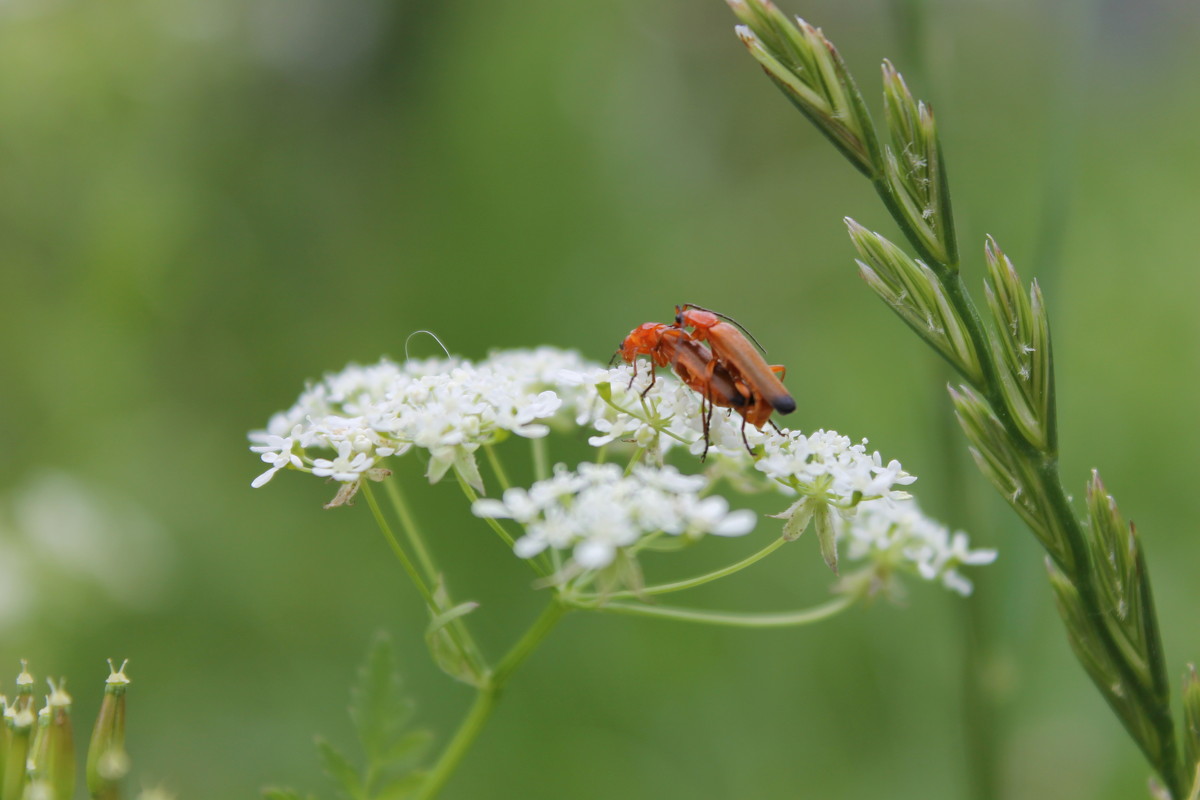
pixel 691 361
pixel 733 350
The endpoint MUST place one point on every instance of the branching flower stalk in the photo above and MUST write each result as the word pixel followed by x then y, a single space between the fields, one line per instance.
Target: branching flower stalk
pixel 585 529
pixel 1006 406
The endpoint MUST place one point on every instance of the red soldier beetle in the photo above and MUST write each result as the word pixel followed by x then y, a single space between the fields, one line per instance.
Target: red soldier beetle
pixel 732 349
pixel 692 362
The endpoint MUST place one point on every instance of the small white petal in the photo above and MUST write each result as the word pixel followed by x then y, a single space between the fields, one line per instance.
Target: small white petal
pixel 594 555
pixel 736 523
pixel 490 508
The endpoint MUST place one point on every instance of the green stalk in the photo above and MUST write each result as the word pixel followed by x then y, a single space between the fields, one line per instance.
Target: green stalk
pixel 409 524
pixel 541 463
pixel 472 496
pixel 781 619
pixel 457 628
pixel 397 549
pixel 496 466
pixel 689 583
pixel 485 701
pixel 1076 562
pixel 540 565
pixel 1046 463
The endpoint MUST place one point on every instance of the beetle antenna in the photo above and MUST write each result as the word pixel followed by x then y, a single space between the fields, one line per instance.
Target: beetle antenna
pixel 429 333
pixel 730 320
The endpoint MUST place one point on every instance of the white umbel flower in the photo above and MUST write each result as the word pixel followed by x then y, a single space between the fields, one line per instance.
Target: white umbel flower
pixel 344 425
pixel 898 536
pixel 596 510
pixel 830 474
pixel 656 414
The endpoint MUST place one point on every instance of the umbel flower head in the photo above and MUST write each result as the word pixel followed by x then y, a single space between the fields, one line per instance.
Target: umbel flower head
pixel 584 519
pixel 596 509
pixel 343 426
pixel 898 537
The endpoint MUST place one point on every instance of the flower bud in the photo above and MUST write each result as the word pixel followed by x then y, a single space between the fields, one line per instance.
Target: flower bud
pixel 19 720
pixel 52 756
pixel 107 761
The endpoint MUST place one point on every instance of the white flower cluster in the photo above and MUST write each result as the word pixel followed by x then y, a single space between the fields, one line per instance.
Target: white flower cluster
pixel 597 509
pixel 899 535
pixel 344 425
pixel 829 468
pixel 652 410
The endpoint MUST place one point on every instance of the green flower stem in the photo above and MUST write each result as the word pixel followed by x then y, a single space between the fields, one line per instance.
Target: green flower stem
pixel 409 524
pixel 540 565
pixel 783 619
pixel 633 461
pixel 458 627
pixel 496 466
pixel 699 580
pixel 485 701
pixel 541 461
pixel 397 549
pixel 472 496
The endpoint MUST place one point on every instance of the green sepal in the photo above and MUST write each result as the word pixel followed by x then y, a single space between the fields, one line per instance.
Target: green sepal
pixel 796 517
pixel 453 652
pixel 826 535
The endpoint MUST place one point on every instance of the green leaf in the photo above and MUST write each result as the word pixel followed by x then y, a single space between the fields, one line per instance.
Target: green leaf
pixel 453 654
pixel 407 747
pixel 826 535
pixel 400 788
pixel 339 768
pixel 381 715
pixel 275 793
pixel 446 617
pixel 377 707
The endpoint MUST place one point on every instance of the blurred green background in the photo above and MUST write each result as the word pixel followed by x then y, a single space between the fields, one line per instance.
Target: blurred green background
pixel 203 203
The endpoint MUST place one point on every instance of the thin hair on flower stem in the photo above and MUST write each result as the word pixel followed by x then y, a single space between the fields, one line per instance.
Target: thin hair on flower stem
pixel 431 334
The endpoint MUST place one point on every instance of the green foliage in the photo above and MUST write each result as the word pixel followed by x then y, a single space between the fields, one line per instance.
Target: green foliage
pixel 452 651
pixel 286 794
pixel 391 751
pixel 1007 411
pixel 207 201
